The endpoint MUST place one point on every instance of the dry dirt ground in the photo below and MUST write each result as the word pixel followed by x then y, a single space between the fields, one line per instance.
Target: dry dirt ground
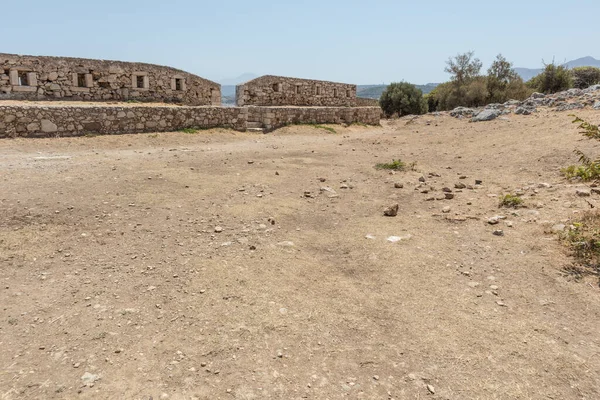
pixel 115 283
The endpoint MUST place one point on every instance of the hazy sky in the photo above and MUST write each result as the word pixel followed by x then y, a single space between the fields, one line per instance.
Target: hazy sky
pixel 352 41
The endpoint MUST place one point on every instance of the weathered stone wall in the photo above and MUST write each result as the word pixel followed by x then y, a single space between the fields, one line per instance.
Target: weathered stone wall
pixel 365 102
pixel 41 121
pixel 283 91
pixel 275 117
pixel 63 78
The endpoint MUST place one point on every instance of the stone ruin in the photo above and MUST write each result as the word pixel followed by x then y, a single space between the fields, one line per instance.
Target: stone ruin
pixel 272 90
pixel 63 78
pixel 274 101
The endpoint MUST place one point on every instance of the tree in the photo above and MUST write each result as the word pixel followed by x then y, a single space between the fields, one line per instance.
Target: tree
pixel 463 68
pixel 403 99
pixel 503 83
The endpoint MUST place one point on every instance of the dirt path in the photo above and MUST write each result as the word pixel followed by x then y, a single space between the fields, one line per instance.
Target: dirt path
pixel 225 265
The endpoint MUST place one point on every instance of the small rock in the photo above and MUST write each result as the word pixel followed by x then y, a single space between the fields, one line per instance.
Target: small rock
pixel 398 185
pixel 460 185
pixel 499 232
pixel 583 192
pixel 446 209
pixel 422 179
pixel 395 239
pixel 218 229
pixel 286 243
pixel 493 220
pixel 391 211
pixel 449 196
pixel 486 115
pixel 558 228
pixel 89 378
pixel 431 389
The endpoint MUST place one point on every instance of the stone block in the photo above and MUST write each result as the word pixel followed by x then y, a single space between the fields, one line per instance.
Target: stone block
pixel 48 126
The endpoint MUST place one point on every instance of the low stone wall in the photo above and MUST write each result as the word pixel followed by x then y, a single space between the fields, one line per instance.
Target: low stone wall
pixel 42 121
pixel 275 117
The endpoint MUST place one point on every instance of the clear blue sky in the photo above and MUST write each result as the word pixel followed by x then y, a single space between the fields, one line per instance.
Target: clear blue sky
pixel 343 40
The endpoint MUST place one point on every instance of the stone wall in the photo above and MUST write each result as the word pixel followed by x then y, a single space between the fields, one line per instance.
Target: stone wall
pixel 365 102
pixel 57 120
pixel 283 91
pixel 63 78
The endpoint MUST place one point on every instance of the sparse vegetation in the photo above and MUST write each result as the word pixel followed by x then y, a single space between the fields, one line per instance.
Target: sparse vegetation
pixel 511 201
pixel 395 165
pixel 589 169
pixel 583 240
pixel 555 78
pixel 402 99
pixel 189 131
pixel 327 128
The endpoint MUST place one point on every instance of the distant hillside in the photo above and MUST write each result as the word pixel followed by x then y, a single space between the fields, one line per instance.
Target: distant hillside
pixel 375 91
pixel 528 73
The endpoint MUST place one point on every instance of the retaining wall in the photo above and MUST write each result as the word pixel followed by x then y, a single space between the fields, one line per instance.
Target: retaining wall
pixel 41 121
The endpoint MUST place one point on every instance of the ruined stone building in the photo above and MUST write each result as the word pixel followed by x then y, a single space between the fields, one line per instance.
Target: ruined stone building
pixel 272 90
pixel 63 78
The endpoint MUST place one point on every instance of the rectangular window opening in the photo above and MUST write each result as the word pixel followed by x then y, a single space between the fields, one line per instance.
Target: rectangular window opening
pixel 348 93
pixel 178 84
pixel 276 87
pixel 335 93
pixel 318 90
pixel 23 81
pixel 297 89
pixel 81 80
pixel 139 80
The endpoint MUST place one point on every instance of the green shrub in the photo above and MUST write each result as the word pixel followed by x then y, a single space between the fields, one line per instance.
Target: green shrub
pixel 189 131
pixel 584 77
pixel 403 99
pixel 511 201
pixel 588 170
pixel 396 165
pixel 555 78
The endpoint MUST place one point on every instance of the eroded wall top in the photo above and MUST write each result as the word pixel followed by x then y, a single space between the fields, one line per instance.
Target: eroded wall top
pixel 272 90
pixel 64 78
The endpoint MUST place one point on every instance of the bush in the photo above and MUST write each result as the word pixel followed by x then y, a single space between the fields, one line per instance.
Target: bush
pixel 555 78
pixel 584 77
pixel 396 165
pixel 402 99
pixel 510 201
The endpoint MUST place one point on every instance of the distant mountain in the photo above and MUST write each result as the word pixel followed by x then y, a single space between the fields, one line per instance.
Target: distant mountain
pixel 528 73
pixel 375 91
pixel 248 76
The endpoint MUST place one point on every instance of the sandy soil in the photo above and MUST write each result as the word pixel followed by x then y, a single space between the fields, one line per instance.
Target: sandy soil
pixel 213 266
